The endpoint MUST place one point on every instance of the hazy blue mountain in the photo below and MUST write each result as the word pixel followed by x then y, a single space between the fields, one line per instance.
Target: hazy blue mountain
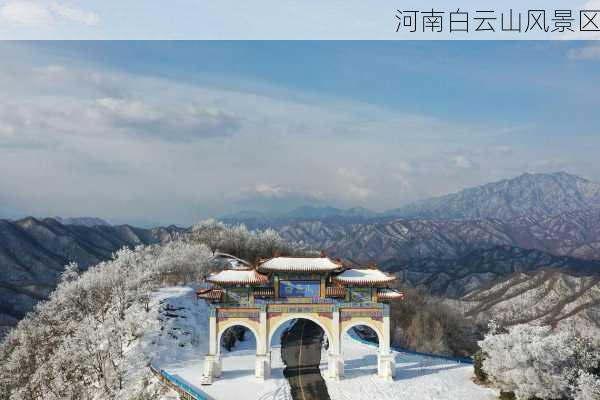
pixel 529 195
pixel 33 253
pixel 84 221
pixel 257 219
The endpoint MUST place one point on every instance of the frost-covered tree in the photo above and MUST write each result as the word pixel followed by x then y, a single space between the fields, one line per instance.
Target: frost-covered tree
pixel 588 387
pixel 77 344
pixel 70 273
pixel 73 346
pixel 537 362
pixel 250 245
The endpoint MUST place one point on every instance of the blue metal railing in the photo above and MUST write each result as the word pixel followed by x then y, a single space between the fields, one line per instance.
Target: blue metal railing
pixel 418 353
pixel 181 384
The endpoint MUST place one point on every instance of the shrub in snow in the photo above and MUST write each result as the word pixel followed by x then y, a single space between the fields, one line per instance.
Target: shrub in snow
pixel 478 367
pixel 424 324
pixel 588 387
pixel 536 362
pixel 80 343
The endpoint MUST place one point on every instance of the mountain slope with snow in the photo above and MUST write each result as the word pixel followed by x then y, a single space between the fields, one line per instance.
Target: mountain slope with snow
pixel 33 253
pixel 575 234
pixel 531 195
pixel 547 297
pixel 456 277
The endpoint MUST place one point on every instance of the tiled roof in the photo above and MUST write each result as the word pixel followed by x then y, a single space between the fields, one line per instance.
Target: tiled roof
pixel 209 294
pixel 389 294
pixel 299 264
pixel 238 277
pixel 363 277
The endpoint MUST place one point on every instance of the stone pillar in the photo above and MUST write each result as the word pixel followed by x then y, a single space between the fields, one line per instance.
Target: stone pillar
pixel 386 366
pixel 211 369
pixel 212 361
pixel 335 365
pixel 262 341
pixel 263 367
pixel 213 347
pixel 385 346
pixel 263 356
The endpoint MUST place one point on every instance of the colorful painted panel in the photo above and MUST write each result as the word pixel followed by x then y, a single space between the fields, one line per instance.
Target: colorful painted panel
pixel 297 288
pixel 238 295
pixel 360 295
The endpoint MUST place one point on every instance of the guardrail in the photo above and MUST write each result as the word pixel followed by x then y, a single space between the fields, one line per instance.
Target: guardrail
pixel 184 390
pixel 418 353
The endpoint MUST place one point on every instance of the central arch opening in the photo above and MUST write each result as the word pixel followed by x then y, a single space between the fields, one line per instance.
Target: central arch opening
pixel 360 349
pixel 237 348
pixel 302 345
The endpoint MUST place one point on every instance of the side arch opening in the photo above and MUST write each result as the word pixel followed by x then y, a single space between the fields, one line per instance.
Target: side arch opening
pixel 237 346
pixel 360 349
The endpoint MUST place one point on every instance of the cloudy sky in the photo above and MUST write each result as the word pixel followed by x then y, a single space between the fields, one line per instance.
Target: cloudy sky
pixel 257 19
pixel 171 132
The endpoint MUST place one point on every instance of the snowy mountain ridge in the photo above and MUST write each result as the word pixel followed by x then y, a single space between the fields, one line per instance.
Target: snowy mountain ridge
pixel 575 233
pixel 546 297
pixel 536 196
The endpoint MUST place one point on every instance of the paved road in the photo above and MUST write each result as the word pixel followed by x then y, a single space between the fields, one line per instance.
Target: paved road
pixel 301 354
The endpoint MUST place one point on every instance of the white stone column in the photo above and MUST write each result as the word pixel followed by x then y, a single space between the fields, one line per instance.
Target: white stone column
pixel 386 366
pixel 335 363
pixel 384 347
pixel 213 347
pixel 211 369
pixel 212 362
pixel 263 367
pixel 263 357
pixel 262 342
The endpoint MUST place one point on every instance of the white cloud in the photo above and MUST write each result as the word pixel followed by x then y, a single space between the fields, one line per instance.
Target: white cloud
pixel 74 14
pixel 353 184
pixel 462 162
pixel 129 111
pixel 42 13
pixel 25 12
pixel 270 190
pixel 131 147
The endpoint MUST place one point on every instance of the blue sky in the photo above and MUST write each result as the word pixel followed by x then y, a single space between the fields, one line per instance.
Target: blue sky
pixel 171 132
pixel 232 19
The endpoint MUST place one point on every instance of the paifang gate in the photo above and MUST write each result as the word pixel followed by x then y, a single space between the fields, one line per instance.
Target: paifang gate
pixel 267 295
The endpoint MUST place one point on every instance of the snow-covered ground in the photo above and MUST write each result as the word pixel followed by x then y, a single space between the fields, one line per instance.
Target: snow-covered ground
pixel 179 347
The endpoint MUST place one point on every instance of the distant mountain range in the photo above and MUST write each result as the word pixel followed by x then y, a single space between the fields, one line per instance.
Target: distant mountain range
pixel 84 221
pixel 33 253
pixel 452 245
pixel 575 234
pixel 521 250
pixel 454 278
pixel 261 220
pixel 535 196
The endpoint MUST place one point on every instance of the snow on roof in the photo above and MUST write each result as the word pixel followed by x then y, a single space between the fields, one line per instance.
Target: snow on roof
pixel 363 277
pixel 389 294
pixel 209 294
pixel 236 276
pixel 303 264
